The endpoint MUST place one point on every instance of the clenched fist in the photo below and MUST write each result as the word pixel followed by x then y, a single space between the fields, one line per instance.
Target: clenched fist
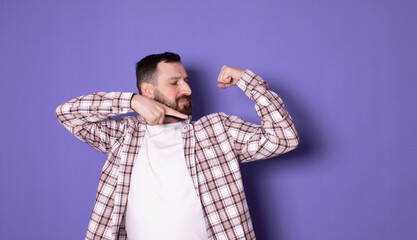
pixel 228 76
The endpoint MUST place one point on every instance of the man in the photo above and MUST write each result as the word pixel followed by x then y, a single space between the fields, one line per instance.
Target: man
pixel 167 177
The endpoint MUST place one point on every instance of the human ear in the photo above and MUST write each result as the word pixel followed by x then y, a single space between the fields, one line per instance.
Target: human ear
pixel 148 90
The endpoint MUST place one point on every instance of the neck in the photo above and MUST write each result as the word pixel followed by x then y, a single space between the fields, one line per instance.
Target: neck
pixel 171 119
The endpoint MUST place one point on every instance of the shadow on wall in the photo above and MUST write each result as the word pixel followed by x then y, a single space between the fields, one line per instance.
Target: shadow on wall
pixel 199 96
pixel 268 225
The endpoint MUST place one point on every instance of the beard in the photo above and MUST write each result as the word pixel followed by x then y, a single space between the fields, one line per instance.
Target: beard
pixel 185 109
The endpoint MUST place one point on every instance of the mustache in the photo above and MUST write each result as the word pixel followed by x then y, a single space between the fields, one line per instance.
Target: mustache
pixel 183 97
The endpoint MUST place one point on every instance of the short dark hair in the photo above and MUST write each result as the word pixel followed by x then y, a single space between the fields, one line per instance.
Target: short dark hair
pixel 146 68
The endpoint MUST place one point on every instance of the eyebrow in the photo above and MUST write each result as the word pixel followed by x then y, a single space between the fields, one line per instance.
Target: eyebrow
pixel 176 78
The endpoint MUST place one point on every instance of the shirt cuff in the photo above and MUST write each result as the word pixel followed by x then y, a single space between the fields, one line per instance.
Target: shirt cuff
pixel 121 101
pixel 248 82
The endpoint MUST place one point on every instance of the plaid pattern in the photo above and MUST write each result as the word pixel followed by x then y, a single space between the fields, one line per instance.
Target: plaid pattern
pixel 214 146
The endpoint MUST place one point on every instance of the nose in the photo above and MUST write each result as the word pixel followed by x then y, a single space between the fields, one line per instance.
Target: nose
pixel 186 90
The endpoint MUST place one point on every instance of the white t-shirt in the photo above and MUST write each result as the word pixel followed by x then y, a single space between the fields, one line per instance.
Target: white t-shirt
pixel 162 202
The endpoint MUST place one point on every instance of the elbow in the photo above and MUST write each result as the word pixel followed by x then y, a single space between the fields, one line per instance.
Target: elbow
pixel 279 145
pixel 63 115
pixel 58 111
pixel 293 143
pixel 292 140
pixel 288 142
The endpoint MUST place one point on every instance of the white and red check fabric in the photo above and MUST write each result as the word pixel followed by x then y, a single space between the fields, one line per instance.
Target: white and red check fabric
pixel 214 146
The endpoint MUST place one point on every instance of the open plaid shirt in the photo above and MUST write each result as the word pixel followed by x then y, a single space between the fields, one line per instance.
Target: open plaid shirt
pixel 214 146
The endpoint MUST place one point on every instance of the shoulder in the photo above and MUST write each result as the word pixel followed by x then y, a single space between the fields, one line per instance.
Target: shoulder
pixel 213 119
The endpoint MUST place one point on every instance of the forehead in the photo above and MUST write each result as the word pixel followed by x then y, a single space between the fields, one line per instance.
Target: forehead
pixel 171 70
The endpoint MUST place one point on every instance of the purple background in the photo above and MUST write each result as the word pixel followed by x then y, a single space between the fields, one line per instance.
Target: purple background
pixel 345 69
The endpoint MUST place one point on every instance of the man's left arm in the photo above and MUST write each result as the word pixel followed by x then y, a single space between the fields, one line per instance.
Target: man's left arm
pixel 275 136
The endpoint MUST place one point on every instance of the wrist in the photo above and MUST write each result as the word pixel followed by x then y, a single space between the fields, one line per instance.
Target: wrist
pixel 134 100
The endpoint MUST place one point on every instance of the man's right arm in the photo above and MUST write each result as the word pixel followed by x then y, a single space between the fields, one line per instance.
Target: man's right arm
pixel 89 117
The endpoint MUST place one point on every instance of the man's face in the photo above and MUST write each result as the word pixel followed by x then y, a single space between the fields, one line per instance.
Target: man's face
pixel 172 88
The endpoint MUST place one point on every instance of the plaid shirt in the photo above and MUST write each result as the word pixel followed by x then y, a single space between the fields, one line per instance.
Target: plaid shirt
pixel 214 146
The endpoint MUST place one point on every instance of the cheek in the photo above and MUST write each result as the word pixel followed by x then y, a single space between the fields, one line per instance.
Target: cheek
pixel 172 93
pixel 169 91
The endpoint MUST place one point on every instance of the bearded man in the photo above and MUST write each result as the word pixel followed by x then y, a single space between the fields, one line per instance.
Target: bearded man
pixel 167 177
